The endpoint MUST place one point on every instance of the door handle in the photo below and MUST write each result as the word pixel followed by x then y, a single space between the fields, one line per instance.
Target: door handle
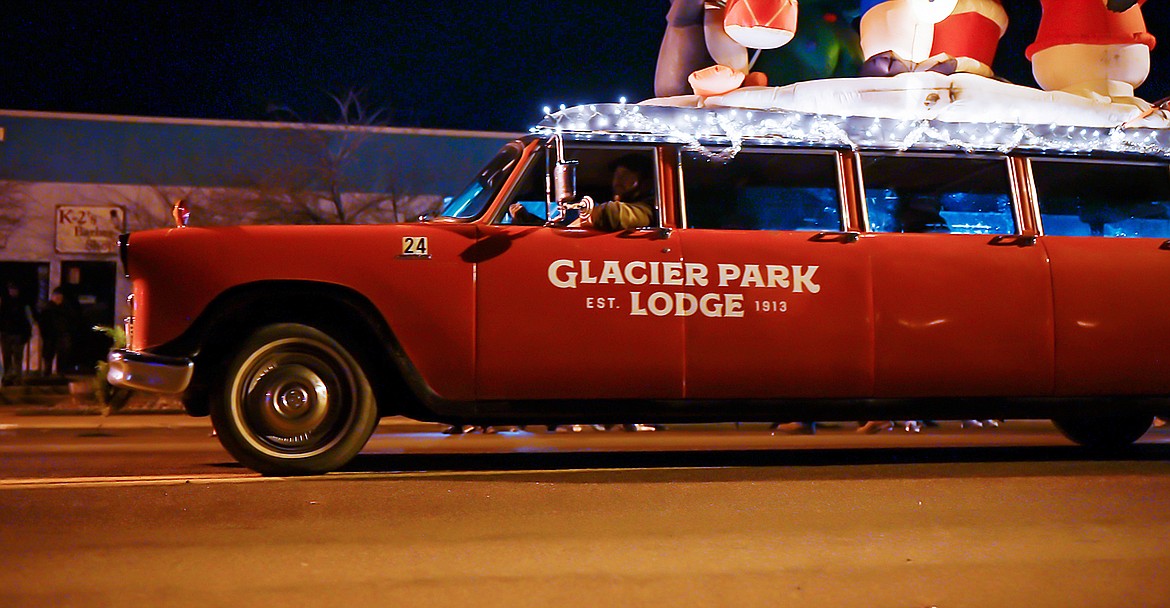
pixel 1165 245
pixel 1016 240
pixel 836 237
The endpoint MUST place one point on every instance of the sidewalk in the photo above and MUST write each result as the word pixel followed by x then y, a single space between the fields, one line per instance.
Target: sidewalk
pixel 55 405
pixel 52 405
pixel 90 417
pixel 75 399
pixel 70 402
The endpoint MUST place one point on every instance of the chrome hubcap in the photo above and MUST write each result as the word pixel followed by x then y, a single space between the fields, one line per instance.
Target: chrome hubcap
pixel 296 397
pixel 292 400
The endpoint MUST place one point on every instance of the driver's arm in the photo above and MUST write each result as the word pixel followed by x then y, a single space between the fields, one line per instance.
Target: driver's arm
pixel 522 217
pixel 620 215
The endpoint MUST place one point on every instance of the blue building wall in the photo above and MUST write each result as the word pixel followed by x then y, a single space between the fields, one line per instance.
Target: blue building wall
pixel 39 147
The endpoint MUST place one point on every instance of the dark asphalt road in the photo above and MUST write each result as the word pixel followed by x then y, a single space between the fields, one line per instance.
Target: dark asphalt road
pixel 152 512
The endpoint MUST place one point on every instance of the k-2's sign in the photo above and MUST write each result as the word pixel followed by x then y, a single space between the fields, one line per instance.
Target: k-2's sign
pixel 89 229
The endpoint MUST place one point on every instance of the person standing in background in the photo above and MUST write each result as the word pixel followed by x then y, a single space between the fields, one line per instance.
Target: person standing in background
pixel 15 332
pixel 58 320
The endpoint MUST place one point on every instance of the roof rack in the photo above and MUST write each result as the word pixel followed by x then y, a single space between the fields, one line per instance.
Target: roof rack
pixel 731 128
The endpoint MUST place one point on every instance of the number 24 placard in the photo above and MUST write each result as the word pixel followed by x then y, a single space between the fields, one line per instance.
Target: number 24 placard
pixel 415 246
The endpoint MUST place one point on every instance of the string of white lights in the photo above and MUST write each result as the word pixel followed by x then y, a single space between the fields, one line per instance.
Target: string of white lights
pixel 722 132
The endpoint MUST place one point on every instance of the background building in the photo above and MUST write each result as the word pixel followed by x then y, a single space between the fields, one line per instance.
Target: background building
pixel 69 184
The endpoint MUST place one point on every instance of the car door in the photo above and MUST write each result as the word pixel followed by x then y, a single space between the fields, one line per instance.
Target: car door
pixel 782 310
pixel 962 300
pixel 560 311
pixel 1106 228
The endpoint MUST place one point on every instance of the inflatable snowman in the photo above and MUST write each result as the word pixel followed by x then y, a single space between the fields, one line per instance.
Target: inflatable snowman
pixel 1094 48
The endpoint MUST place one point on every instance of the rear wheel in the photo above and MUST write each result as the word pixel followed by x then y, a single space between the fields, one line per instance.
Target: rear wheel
pixel 1104 432
pixel 294 401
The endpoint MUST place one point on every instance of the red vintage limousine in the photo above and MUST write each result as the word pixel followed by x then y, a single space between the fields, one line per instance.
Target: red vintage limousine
pixel 796 267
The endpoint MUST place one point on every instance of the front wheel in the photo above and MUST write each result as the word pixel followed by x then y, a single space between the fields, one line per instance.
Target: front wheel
pixel 1104 432
pixel 294 401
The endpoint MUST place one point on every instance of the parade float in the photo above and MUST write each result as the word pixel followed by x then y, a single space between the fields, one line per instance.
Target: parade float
pixel 926 82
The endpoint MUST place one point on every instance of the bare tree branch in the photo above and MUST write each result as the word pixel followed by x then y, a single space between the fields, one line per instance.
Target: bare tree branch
pixel 305 173
pixel 319 187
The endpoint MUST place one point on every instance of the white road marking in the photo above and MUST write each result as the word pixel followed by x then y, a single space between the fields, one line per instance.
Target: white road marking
pixel 211 478
pixel 130 481
pixel 108 448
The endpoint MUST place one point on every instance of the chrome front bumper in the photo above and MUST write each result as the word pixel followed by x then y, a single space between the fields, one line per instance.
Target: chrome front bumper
pixel 147 372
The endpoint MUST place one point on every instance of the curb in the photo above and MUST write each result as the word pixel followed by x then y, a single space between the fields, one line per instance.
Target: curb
pixel 39 418
pixel 83 409
pixel 94 410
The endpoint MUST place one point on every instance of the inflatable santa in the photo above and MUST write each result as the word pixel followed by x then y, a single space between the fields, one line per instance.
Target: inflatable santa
pixel 944 36
pixel 1092 48
pixel 728 29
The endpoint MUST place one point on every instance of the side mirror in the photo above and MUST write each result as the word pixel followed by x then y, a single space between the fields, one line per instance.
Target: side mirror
pixel 565 181
pixel 561 180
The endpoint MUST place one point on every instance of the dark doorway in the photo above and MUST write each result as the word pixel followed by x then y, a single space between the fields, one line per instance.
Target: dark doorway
pixel 31 277
pixel 92 285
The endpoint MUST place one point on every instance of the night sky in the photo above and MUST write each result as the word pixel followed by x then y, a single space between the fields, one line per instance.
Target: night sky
pixel 483 65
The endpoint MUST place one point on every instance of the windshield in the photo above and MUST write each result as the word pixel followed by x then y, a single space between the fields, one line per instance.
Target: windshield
pixel 475 197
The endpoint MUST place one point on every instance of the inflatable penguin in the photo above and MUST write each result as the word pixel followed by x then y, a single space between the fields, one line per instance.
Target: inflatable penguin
pixel 1094 48
pixel 944 36
pixel 728 28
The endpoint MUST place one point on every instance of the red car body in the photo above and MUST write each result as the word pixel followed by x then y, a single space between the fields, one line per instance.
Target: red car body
pixel 494 322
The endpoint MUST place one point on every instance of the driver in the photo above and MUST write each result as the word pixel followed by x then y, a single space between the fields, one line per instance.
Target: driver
pixel 633 199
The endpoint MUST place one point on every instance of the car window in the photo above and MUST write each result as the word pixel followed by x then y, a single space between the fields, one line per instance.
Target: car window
pixel 763 190
pixel 594 170
pixel 529 191
pixel 474 198
pixel 1099 198
pixel 940 194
